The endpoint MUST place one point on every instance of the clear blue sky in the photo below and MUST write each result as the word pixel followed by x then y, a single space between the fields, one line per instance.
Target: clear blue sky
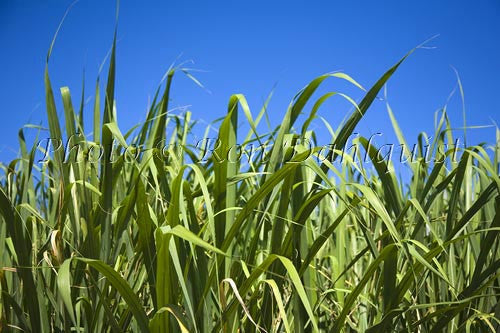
pixel 248 47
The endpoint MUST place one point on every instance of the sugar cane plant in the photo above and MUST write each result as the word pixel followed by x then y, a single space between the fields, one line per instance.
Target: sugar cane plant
pixel 95 239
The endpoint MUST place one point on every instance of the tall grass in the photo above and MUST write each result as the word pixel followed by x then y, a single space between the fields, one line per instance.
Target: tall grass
pixel 282 243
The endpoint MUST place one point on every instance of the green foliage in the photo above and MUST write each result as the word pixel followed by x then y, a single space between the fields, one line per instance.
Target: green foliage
pixel 285 243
